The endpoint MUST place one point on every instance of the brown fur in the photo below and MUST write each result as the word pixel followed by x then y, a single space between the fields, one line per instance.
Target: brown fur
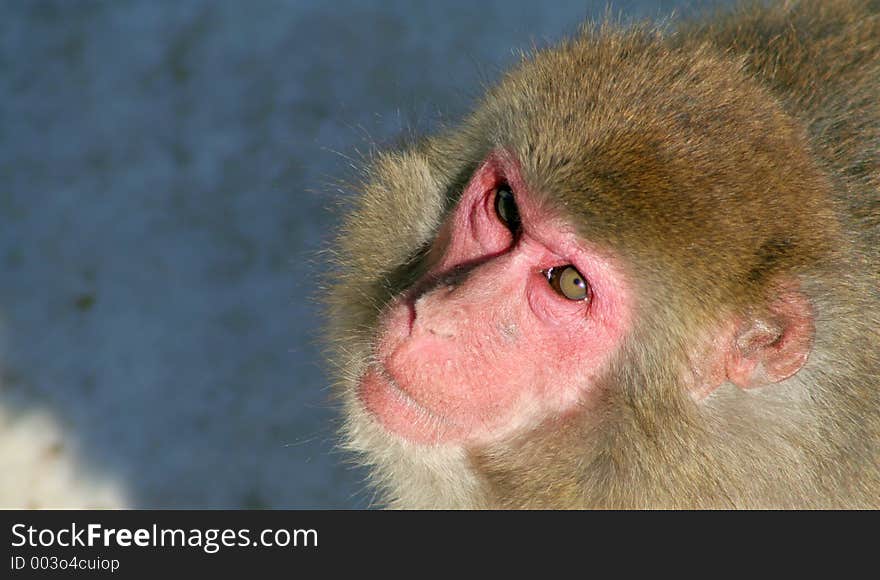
pixel 719 161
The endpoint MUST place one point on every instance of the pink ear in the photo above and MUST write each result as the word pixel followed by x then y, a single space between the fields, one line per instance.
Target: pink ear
pixel 774 344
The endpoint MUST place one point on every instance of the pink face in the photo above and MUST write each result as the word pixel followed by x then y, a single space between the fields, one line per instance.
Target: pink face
pixel 472 357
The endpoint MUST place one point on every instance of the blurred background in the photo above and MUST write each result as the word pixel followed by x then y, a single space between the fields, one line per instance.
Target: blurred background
pixel 168 176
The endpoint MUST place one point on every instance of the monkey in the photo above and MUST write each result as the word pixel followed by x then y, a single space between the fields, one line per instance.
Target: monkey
pixel 642 273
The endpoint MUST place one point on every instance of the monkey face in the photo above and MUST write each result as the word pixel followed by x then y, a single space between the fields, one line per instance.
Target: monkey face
pixel 498 331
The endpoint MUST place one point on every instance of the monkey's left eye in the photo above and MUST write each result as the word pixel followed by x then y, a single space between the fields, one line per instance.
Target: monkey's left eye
pixel 568 282
pixel 505 208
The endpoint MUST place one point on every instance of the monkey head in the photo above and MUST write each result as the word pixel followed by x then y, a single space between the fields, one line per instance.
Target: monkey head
pixel 600 290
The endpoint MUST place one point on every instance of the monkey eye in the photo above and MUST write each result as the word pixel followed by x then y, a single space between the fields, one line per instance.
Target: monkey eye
pixel 568 282
pixel 505 208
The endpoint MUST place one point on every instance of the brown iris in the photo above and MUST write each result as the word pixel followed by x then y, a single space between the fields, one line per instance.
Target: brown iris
pixel 568 282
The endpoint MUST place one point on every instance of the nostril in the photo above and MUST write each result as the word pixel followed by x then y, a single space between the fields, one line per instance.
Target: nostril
pixel 441 333
pixel 411 316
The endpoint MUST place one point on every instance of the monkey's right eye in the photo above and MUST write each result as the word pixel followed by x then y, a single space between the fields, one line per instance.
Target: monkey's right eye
pixel 505 208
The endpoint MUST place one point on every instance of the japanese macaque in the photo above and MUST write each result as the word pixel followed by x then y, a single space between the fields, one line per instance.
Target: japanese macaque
pixel 644 273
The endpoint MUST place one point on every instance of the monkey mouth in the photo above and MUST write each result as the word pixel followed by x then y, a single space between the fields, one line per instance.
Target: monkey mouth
pixel 399 412
pixel 406 398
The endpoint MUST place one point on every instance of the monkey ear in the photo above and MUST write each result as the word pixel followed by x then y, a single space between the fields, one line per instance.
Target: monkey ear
pixel 772 345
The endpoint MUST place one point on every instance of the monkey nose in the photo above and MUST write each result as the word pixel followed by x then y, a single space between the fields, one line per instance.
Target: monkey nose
pixel 432 315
